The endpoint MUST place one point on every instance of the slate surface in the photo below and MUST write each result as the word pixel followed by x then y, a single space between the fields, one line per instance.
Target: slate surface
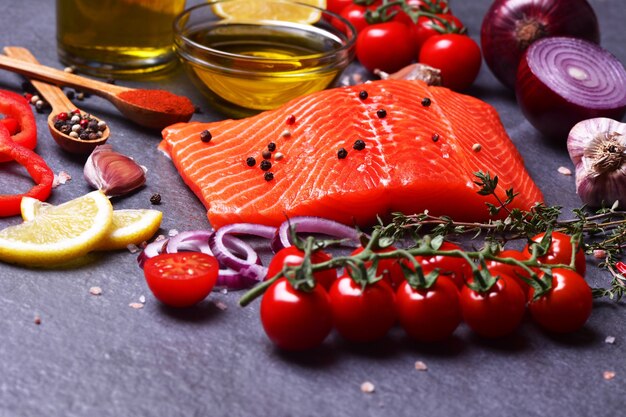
pixel 96 356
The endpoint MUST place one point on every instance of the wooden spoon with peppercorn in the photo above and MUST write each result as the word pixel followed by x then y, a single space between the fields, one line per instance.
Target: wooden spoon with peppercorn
pixel 154 109
pixel 72 129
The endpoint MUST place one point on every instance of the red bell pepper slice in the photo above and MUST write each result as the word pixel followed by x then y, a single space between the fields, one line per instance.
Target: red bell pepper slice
pixel 14 106
pixel 36 167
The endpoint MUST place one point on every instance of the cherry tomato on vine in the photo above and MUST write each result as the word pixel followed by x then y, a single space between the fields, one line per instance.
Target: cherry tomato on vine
pixel 457 56
pixel 336 6
pixel 362 314
pixel 456 269
pixel 566 307
pixel 293 256
pixel 431 314
pixel 295 320
pixel 181 279
pixel 390 269
pixel 513 271
pixel 355 14
pixel 384 46
pixel 560 252
pixel 432 6
pixel 497 312
pixel 427 27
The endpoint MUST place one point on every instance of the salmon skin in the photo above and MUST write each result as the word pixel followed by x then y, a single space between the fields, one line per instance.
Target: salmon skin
pixel 418 155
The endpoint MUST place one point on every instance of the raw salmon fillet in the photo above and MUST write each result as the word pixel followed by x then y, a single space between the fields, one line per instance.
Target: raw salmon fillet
pixel 416 157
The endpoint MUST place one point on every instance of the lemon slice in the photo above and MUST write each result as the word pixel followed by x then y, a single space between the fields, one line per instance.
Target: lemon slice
pixel 131 227
pixel 128 227
pixel 242 10
pixel 59 233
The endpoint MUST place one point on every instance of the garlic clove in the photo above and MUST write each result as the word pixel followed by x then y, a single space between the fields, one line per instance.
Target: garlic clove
pixel 597 147
pixel 417 71
pixel 113 173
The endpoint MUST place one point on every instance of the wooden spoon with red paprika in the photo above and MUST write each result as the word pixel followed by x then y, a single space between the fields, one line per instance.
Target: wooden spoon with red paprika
pixel 154 109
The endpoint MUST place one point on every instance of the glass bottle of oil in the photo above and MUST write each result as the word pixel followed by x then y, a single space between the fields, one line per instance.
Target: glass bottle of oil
pixel 116 37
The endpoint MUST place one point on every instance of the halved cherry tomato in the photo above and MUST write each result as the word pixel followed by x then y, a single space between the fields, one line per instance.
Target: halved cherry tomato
pixel 362 314
pixel 560 252
pixel 292 256
pixel 390 269
pixel 454 268
pixel 566 307
pixel 497 312
pixel 181 279
pixel 431 314
pixel 385 46
pixel 296 320
pixel 457 56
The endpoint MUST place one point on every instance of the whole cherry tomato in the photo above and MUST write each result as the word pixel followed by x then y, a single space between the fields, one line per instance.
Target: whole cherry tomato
pixel 295 320
pixel 390 269
pixel 431 314
pixel 181 279
pixel 560 252
pixel 362 314
pixel 427 27
pixel 336 6
pixel 457 56
pixel 385 46
pixel 293 256
pixel 566 307
pixel 355 14
pixel 497 312
pixel 515 272
pixel 457 269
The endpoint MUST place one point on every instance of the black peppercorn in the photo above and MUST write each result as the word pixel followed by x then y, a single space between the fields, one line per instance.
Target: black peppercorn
pixel 268 176
pixel 426 102
pixel 435 137
pixel 250 161
pixel 359 145
pixel 265 165
pixel 156 198
pixel 363 95
pixel 205 136
pixel 381 113
pixel 271 146
pixel 342 153
pixel 266 154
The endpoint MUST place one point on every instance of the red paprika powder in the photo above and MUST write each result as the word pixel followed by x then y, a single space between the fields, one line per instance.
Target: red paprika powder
pixel 160 101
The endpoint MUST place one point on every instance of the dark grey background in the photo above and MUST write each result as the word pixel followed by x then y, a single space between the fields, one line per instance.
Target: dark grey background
pixel 96 356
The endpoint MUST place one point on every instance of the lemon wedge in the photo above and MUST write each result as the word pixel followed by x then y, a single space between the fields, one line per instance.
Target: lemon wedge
pixel 59 233
pixel 128 227
pixel 131 227
pixel 242 10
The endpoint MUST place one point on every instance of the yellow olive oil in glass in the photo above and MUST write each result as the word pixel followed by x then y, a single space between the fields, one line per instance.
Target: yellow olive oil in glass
pixel 287 62
pixel 116 37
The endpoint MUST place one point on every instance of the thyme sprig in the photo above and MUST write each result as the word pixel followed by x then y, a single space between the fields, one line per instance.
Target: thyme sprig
pixel 601 232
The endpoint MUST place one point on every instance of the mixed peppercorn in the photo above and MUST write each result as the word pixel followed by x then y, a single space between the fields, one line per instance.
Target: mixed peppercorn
pixel 79 125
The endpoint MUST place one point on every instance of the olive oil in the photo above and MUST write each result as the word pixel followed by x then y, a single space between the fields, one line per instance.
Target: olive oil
pixel 113 37
pixel 261 66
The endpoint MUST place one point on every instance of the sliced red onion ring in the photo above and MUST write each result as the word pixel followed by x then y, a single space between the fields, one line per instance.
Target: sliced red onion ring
pixel 193 240
pixel 151 250
pixel 233 280
pixel 310 224
pixel 222 244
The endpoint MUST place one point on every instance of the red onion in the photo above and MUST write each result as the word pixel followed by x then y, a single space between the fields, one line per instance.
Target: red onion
pixel 597 148
pixel 310 224
pixel 151 250
pixel 562 81
pixel 510 26
pixel 192 240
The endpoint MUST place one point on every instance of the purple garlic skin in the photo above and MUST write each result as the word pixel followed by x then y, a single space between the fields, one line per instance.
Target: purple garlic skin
pixel 597 147
pixel 113 173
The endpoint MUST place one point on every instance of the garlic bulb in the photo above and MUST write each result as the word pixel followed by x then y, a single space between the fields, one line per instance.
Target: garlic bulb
pixel 417 71
pixel 597 148
pixel 113 173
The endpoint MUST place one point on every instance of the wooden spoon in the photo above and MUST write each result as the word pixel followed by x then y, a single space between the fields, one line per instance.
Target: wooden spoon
pixel 59 103
pixel 154 109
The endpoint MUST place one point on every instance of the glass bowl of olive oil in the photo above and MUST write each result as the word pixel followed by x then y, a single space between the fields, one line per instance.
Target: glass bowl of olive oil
pixel 253 56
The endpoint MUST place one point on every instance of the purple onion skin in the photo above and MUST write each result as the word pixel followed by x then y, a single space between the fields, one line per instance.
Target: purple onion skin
pixel 503 48
pixel 552 113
